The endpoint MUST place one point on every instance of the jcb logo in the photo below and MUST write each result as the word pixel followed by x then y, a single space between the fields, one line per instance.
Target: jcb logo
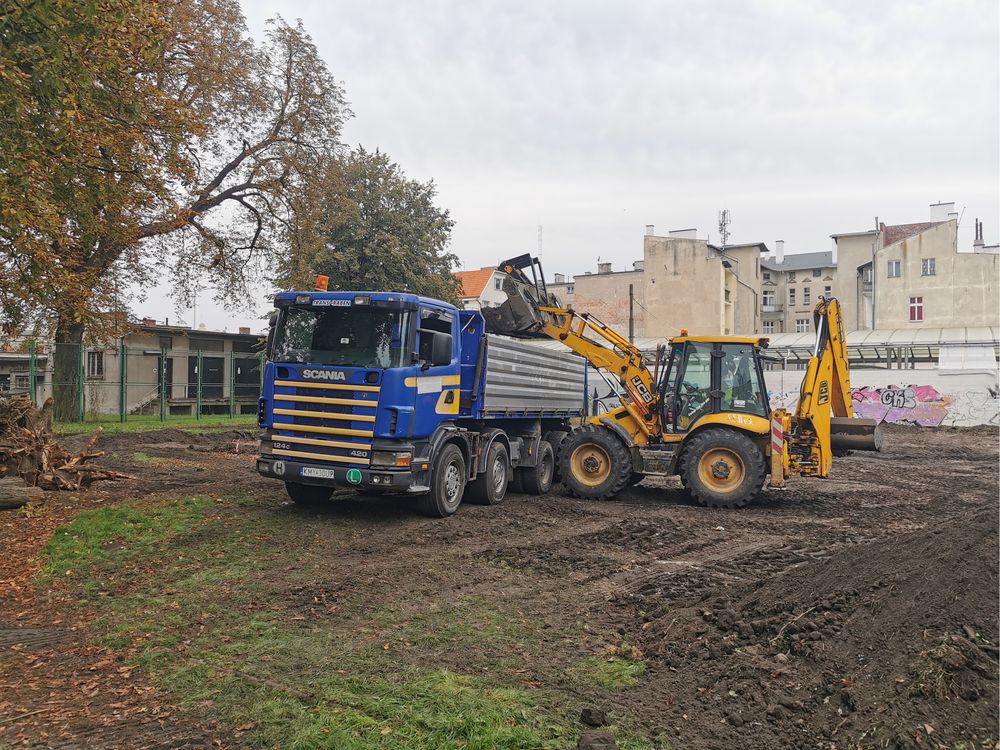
pixel 824 392
pixel 642 390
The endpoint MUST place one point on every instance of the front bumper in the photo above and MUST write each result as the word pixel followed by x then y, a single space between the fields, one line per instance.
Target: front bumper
pixel 298 472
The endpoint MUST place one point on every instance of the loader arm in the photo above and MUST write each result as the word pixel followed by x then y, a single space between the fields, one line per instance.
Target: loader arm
pixel 530 310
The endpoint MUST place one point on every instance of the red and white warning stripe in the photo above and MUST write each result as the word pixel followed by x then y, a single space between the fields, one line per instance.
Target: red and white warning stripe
pixel 777 437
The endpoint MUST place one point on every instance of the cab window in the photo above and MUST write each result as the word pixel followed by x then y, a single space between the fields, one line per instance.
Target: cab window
pixel 693 390
pixel 740 380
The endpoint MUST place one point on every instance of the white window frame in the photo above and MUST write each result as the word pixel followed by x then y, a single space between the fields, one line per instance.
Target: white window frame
pixel 791 298
pixel 802 325
pixel 817 272
pixel 766 275
pixel 928 267
pixel 791 276
pixel 497 284
pixel 806 296
pixel 894 265
pixel 95 364
pixel 767 326
pixel 916 309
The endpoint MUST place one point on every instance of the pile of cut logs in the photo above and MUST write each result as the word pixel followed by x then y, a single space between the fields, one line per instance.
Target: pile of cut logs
pixel 31 458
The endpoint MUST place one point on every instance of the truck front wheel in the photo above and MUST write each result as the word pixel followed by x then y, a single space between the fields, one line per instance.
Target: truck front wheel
pixel 594 463
pixel 722 468
pixel 448 479
pixel 490 487
pixel 308 494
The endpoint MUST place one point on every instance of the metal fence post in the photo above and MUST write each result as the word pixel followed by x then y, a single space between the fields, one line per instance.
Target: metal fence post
pixel 163 383
pixel 81 380
pixel 197 393
pixel 33 371
pixel 122 382
pixel 232 383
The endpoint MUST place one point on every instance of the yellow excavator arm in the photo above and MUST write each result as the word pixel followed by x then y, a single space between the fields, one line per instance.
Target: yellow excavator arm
pixel 803 443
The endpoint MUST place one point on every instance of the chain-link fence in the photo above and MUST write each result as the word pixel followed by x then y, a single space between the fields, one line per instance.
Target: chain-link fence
pixel 123 383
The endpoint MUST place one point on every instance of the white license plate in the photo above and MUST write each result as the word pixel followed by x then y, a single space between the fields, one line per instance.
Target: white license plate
pixel 308 471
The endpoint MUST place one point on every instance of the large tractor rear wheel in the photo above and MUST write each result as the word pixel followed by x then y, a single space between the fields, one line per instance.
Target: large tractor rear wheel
pixel 594 463
pixel 722 468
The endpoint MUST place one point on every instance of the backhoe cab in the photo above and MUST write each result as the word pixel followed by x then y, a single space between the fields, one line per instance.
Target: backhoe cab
pixel 702 413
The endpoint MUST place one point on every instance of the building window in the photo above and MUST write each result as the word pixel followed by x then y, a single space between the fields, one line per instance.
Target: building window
pixel 768 298
pixel 927 267
pixel 21 382
pixel 817 272
pixel 498 284
pixel 569 289
pixel 806 296
pixel 791 275
pixel 827 290
pixel 791 298
pixel 895 269
pixel 768 326
pixel 767 275
pixel 95 365
pixel 916 309
pixel 802 325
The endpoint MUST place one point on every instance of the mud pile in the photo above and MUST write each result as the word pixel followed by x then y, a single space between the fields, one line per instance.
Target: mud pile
pixel 887 644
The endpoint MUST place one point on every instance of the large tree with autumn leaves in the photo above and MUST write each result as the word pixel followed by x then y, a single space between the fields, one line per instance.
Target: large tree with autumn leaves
pixel 149 135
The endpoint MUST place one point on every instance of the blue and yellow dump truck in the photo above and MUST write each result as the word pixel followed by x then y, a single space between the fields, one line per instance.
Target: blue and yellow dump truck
pixel 397 393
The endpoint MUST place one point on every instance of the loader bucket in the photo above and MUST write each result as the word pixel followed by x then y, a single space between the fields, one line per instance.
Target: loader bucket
pixel 847 433
pixel 519 315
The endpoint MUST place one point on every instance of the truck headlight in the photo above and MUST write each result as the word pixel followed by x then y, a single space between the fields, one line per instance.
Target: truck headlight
pixel 399 459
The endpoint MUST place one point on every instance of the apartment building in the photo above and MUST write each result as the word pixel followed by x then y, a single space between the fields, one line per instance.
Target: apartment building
pixel 680 282
pixel 917 275
pixel 790 286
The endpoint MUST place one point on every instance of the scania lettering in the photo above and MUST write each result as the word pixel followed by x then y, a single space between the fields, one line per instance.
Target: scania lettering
pixel 396 394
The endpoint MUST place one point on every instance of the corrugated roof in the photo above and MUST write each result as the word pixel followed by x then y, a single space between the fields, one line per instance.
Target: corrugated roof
pixel 474 282
pixel 891 234
pixel 799 262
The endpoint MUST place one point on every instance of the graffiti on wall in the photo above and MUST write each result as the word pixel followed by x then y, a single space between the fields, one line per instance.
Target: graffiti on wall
pixel 922 405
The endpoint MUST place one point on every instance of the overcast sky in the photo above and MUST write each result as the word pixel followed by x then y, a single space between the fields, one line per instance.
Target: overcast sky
pixel 593 119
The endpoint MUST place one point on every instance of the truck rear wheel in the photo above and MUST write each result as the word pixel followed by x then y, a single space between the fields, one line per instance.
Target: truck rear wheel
pixel 722 468
pixel 594 463
pixel 537 479
pixel 555 439
pixel 490 487
pixel 447 484
pixel 308 494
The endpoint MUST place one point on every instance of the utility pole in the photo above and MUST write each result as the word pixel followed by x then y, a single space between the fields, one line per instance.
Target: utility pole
pixel 631 315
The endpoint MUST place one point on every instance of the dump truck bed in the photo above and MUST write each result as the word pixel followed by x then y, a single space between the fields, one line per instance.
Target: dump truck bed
pixel 529 380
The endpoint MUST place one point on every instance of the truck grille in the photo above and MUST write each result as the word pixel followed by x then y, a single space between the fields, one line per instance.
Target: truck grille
pixel 332 422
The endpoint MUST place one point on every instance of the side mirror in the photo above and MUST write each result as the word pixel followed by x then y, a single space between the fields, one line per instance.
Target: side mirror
pixel 441 349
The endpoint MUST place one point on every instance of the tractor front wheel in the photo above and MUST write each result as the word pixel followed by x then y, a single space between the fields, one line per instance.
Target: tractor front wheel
pixel 594 463
pixel 722 468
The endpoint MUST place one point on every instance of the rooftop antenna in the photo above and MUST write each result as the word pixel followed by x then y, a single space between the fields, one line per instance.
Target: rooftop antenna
pixel 724 221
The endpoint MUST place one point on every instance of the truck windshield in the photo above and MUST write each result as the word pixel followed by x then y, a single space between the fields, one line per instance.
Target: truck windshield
pixel 347 336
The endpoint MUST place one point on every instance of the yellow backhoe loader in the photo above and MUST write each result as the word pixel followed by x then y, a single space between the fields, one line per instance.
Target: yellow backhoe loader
pixel 702 412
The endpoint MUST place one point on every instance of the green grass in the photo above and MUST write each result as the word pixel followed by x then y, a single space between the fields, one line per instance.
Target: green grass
pixel 119 533
pixel 180 590
pixel 145 424
pixel 613 674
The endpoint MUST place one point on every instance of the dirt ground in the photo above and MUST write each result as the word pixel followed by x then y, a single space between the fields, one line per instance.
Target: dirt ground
pixel 859 611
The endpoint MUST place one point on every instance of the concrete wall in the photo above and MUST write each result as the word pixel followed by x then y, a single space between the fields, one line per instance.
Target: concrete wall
pixel 852 251
pixel 684 287
pixel 605 295
pixel 925 398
